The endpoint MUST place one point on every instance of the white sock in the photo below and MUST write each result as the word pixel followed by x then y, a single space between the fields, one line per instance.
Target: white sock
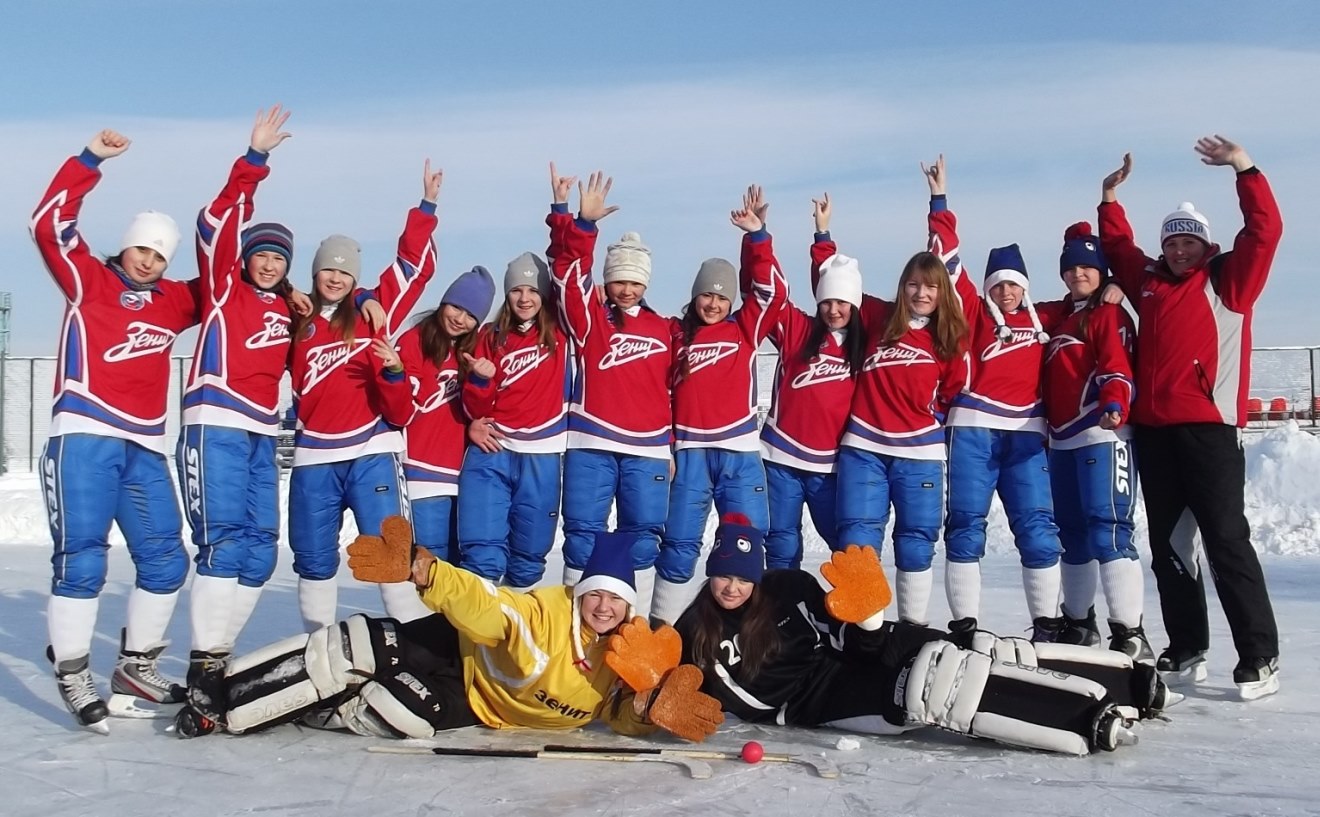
pixel 149 617
pixel 1124 585
pixel 402 602
pixel 962 586
pixel 1079 583
pixel 670 599
pixel 245 601
pixel 914 595
pixel 1041 585
pixel 211 604
pixel 318 601
pixel 71 623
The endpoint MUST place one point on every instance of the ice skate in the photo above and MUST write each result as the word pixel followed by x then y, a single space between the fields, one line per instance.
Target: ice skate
pixel 189 723
pixel 1045 630
pixel 1180 666
pixel 1082 631
pixel 1112 730
pixel 78 691
pixel 961 631
pixel 1131 641
pixel 137 678
pixel 1256 677
pixel 206 683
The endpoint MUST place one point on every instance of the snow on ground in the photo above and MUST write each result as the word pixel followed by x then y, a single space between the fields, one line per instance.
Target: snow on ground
pixel 1217 756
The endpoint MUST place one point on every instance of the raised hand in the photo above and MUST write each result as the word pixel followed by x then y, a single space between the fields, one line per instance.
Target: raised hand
pixel 560 186
pixel 386 558
pixel 1113 180
pixel 1216 150
pixel 680 707
pixel 754 200
pixel 860 587
pixel 107 144
pixel 591 199
pixel 821 212
pixel 266 133
pixel 389 358
pixel 746 220
pixel 641 657
pixel 935 176
pixel 480 366
pixel 431 182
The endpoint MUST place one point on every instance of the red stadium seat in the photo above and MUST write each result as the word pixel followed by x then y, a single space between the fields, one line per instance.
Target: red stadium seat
pixel 1255 409
pixel 1278 408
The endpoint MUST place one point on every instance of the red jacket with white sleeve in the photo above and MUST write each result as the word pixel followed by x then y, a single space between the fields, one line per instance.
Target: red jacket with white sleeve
pixel 1088 371
pixel 337 384
pixel 425 401
pixel 715 373
pixel 1003 378
pixel 811 398
pixel 113 373
pixel 244 341
pixel 528 396
pixel 621 390
pixel 904 389
pixel 1194 364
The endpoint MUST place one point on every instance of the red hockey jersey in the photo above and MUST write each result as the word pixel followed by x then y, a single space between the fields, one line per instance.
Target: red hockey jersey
pixel 715 374
pixel 1003 376
pixel 903 390
pixel 810 400
pixel 528 396
pixel 244 342
pixel 337 384
pixel 621 395
pixel 425 402
pixel 1088 371
pixel 1194 364
pixel 113 373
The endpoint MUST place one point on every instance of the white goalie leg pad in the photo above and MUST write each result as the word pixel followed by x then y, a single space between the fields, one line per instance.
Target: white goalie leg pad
pixel 1028 735
pixel 1011 650
pixel 1039 676
pixel 377 712
pixel 1082 655
pixel 945 686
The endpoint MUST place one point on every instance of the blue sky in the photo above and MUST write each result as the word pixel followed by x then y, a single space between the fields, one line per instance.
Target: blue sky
pixel 685 104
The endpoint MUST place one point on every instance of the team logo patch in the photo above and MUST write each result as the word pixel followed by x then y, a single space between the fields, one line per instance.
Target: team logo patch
pixel 701 355
pixel 274 332
pixel 824 369
pixel 1020 338
pixel 309 331
pixel 900 354
pixel 132 300
pixel 143 339
pixel 626 348
pixel 266 297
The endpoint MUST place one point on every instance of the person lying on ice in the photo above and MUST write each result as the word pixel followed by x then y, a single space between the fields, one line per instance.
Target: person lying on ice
pixel 774 647
pixel 492 656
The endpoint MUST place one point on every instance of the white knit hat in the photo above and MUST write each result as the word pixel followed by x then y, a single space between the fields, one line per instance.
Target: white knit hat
pixel 155 231
pixel 840 280
pixel 628 259
pixel 1185 221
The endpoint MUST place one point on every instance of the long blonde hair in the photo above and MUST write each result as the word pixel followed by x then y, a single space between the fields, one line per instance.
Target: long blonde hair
pixel 948 325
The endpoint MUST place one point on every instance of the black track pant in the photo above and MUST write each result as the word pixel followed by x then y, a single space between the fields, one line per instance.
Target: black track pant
pixel 1200 466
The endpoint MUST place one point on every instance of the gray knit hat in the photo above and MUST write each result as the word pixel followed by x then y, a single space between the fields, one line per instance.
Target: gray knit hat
pixel 339 252
pixel 528 270
pixel 718 277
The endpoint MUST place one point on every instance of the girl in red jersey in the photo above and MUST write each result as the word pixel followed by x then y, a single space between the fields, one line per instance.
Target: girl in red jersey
pixel 1087 389
pixel 820 356
pixel 716 443
pixel 423 384
pixel 518 384
pixel 346 455
pixel 105 459
pixel 893 450
pixel 619 420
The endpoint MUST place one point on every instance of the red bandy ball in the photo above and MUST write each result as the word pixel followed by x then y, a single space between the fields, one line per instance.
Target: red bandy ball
pixel 752 752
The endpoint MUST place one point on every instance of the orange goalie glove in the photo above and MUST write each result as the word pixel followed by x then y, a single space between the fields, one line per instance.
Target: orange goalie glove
pixel 386 558
pixel 860 587
pixel 642 657
pixel 680 707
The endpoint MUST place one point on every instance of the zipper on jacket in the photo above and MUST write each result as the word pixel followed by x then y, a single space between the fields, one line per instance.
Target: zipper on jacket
pixel 1202 379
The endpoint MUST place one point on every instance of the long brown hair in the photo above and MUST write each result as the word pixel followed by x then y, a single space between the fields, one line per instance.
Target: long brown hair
pixel 854 341
pixel 436 343
pixel 545 320
pixel 343 322
pixel 948 325
pixel 758 635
